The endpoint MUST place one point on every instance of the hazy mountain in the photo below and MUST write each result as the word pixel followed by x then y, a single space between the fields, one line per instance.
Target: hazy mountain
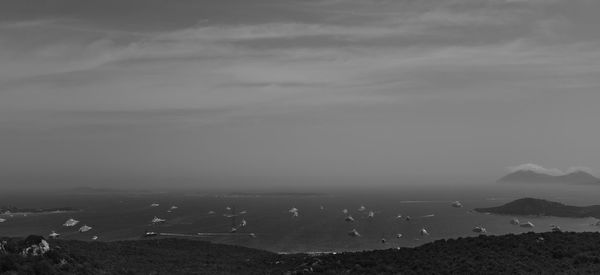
pixel 528 176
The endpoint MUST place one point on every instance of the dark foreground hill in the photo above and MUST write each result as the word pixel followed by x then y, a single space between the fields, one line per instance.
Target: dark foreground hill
pixel 531 206
pixel 543 253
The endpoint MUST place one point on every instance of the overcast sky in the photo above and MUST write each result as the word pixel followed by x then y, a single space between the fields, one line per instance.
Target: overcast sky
pixel 295 92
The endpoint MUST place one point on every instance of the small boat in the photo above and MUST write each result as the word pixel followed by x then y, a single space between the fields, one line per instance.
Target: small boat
pixel 71 222
pixel 556 228
pixel 407 218
pixel 371 214
pixel 362 208
pixel 252 235
pixel 428 216
pixel 345 211
pixel 383 240
pixel 243 223
pixel 424 232
pixel 294 211
pixel 211 212
pixel 457 204
pixel 157 220
pixel 399 216
pixel 155 205
pixel 228 208
pixel 295 214
pixel 515 221
pixel 53 235
pixel 398 236
pixel 233 230
pixel 479 229
pixel 528 225
pixel 94 238
pixel 150 234
pixel 243 212
pixel 2 220
pixel 353 233
pixel 85 228
pixel 172 208
pixel 349 219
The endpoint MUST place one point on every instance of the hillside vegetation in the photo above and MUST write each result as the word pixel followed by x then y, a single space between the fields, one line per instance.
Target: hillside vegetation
pixel 552 252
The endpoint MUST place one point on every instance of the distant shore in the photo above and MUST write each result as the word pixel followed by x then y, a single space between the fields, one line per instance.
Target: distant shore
pixel 7 211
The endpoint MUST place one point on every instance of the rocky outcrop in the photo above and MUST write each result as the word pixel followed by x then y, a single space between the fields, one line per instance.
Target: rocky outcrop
pixel 35 246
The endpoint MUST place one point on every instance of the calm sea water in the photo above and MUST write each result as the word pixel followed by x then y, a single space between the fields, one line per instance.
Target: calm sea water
pixel 127 215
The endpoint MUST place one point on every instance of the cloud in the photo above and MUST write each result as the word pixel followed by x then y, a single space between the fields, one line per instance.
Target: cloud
pixel 536 168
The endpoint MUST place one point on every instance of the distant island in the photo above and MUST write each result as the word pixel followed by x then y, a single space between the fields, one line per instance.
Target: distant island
pixel 530 176
pixel 529 253
pixel 532 206
pixel 17 210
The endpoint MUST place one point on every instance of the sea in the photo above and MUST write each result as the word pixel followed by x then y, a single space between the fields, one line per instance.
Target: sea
pixel 319 227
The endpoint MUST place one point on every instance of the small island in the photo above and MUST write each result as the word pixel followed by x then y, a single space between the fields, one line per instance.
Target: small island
pixel 540 207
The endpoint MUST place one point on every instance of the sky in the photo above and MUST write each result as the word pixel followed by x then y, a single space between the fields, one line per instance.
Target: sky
pixel 295 92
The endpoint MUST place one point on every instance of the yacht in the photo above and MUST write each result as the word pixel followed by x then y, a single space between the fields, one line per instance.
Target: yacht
pixel 85 228
pixel 528 225
pixel 53 235
pixel 479 229
pixel 71 222
pixel 156 220
pixel 353 233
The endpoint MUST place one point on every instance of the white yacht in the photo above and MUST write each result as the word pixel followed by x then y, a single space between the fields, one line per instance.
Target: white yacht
pixel 85 228
pixel 353 233
pixel 156 220
pixel 71 222
pixel 479 229
pixel 53 235
pixel 528 225
pixel 457 204
pixel 150 234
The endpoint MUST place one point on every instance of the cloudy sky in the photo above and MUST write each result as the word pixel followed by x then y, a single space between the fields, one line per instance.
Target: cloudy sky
pixel 295 92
